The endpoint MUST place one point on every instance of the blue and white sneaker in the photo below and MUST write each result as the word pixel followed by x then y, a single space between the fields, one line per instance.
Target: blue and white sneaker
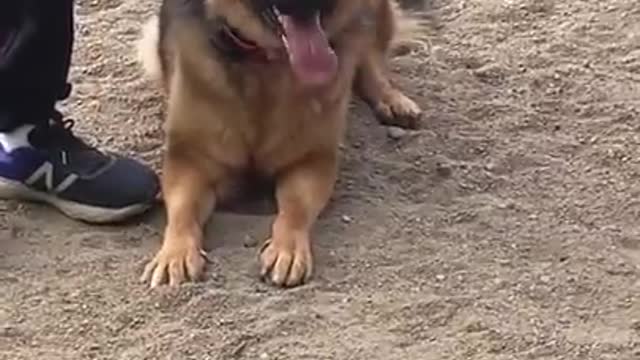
pixel 49 164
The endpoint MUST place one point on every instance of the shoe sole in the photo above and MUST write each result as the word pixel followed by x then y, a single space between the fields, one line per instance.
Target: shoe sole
pixel 87 213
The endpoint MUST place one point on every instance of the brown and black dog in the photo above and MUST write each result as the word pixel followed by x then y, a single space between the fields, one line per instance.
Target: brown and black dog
pixel 263 85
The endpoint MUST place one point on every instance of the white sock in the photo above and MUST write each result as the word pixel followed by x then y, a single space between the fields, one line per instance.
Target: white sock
pixel 17 138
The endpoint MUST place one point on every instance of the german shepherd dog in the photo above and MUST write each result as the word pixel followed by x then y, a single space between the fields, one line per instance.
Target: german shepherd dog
pixel 263 85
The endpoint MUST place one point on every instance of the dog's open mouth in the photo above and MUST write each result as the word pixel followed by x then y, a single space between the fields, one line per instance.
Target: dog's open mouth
pixel 312 59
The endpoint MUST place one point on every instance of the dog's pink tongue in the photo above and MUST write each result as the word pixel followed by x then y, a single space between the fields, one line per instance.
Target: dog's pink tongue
pixel 312 59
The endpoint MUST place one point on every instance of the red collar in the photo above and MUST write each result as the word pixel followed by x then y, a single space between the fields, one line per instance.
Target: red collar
pixel 241 48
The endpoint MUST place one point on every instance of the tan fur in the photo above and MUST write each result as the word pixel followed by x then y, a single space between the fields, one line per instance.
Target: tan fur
pixel 408 28
pixel 147 49
pixel 226 118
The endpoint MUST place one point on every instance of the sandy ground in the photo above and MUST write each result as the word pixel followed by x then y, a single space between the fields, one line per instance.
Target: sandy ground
pixel 507 228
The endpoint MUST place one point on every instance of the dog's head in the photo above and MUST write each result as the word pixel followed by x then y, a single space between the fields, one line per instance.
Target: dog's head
pixel 297 27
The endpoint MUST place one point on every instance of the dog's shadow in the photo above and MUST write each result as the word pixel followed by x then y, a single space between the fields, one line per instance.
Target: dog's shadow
pixel 242 219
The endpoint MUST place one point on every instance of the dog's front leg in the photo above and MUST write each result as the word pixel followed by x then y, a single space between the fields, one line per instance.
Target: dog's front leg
pixel 303 191
pixel 189 198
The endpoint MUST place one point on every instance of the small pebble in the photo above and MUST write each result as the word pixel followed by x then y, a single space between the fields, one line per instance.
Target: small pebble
pixel 443 169
pixel 440 277
pixel 346 219
pixel 491 166
pixel 8 331
pixel 397 133
pixel 250 241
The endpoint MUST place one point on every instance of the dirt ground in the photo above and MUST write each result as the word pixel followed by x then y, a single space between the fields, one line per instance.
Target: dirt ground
pixel 506 228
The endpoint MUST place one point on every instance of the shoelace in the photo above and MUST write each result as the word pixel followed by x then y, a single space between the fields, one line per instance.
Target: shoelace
pixel 58 136
pixel 62 130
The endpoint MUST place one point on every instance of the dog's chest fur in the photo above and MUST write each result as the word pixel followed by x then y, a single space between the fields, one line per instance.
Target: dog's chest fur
pixel 272 122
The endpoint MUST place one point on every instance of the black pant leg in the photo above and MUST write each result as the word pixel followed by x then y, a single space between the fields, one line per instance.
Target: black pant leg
pixel 33 73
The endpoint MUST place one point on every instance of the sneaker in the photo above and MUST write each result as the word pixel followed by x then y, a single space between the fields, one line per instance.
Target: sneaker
pixel 49 164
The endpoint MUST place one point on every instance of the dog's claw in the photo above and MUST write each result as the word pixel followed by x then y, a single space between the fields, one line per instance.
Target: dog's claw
pixel 175 265
pixel 285 265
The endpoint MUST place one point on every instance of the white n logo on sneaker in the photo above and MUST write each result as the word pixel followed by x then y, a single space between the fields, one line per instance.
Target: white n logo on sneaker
pixel 46 171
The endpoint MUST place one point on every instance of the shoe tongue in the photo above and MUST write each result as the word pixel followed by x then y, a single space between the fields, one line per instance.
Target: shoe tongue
pixel 312 59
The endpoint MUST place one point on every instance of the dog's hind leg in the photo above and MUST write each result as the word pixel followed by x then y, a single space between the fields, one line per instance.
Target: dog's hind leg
pixel 373 85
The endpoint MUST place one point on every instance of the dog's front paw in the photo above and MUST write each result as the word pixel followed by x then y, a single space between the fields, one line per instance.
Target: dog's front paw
pixel 286 262
pixel 396 109
pixel 176 262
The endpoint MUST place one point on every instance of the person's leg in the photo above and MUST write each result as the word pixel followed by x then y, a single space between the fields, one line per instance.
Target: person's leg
pixel 36 39
pixel 40 158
